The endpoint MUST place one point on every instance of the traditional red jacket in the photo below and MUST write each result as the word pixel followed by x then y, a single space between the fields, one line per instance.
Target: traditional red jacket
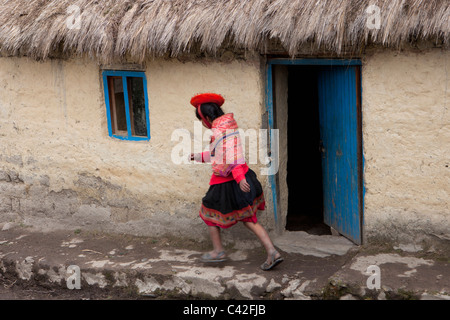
pixel 225 151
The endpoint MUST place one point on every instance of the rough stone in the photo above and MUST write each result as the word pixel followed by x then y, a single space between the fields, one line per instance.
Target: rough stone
pixel 308 244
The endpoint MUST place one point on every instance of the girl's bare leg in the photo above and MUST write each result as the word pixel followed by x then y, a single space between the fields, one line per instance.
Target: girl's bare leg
pixel 214 233
pixel 263 236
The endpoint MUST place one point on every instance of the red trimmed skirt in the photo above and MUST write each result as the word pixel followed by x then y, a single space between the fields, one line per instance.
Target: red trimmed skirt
pixel 225 204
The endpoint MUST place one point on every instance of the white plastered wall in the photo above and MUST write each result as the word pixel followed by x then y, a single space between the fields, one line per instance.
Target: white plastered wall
pixel 59 168
pixel 406 133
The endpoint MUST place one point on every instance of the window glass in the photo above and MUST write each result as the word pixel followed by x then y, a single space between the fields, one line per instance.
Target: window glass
pixel 119 102
pixel 137 106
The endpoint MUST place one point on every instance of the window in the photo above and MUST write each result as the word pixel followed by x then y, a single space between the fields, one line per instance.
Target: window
pixel 127 105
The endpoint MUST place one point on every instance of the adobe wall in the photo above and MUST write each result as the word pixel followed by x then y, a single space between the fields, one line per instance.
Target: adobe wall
pixel 406 133
pixel 60 169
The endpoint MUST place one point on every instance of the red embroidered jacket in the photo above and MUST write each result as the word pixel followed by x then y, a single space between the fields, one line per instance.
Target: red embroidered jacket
pixel 225 152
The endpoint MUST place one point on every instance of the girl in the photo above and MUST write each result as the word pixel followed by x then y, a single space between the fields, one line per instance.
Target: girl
pixel 235 194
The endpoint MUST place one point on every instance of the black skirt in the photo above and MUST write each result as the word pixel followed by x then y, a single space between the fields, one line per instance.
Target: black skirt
pixel 225 204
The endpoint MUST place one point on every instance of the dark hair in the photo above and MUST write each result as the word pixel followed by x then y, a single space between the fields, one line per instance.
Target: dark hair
pixel 211 110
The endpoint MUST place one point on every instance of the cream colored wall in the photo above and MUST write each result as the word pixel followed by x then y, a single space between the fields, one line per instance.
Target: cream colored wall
pixel 406 132
pixel 58 166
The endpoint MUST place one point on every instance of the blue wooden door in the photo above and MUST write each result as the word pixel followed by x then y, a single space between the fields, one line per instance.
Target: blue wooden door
pixel 338 115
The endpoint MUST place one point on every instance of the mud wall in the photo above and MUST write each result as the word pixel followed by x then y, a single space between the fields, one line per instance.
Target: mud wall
pixel 60 169
pixel 406 133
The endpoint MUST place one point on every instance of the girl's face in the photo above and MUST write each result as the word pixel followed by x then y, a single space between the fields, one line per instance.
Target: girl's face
pixel 206 122
pixel 205 125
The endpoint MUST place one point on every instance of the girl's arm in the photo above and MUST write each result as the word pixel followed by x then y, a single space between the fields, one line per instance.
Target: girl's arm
pixel 239 176
pixel 239 172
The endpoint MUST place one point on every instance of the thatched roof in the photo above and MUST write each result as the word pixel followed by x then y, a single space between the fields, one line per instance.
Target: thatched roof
pixel 112 29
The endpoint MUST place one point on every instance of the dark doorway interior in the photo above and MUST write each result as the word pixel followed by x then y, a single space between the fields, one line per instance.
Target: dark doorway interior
pixel 304 168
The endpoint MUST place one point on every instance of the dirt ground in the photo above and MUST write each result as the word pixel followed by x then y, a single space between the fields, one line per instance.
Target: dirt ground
pixel 16 290
pixel 400 273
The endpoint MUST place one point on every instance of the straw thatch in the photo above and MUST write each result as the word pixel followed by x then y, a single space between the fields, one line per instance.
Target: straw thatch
pixel 113 29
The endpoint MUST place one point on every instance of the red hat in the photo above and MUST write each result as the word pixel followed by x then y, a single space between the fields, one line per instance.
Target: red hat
pixel 202 98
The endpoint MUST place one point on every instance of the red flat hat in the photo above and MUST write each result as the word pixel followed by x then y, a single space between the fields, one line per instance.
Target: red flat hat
pixel 207 98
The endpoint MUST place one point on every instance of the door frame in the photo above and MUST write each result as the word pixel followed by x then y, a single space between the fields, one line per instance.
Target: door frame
pixel 270 111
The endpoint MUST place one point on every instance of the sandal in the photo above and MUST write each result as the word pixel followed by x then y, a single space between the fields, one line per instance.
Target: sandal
pixel 219 258
pixel 273 262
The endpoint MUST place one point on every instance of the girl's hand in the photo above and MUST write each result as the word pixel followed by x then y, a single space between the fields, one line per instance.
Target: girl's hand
pixel 196 157
pixel 243 184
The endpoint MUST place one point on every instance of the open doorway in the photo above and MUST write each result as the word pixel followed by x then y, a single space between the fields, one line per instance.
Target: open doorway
pixel 304 168
pixel 316 106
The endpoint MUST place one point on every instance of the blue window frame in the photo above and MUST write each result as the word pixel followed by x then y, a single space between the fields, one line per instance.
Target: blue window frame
pixel 126 104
